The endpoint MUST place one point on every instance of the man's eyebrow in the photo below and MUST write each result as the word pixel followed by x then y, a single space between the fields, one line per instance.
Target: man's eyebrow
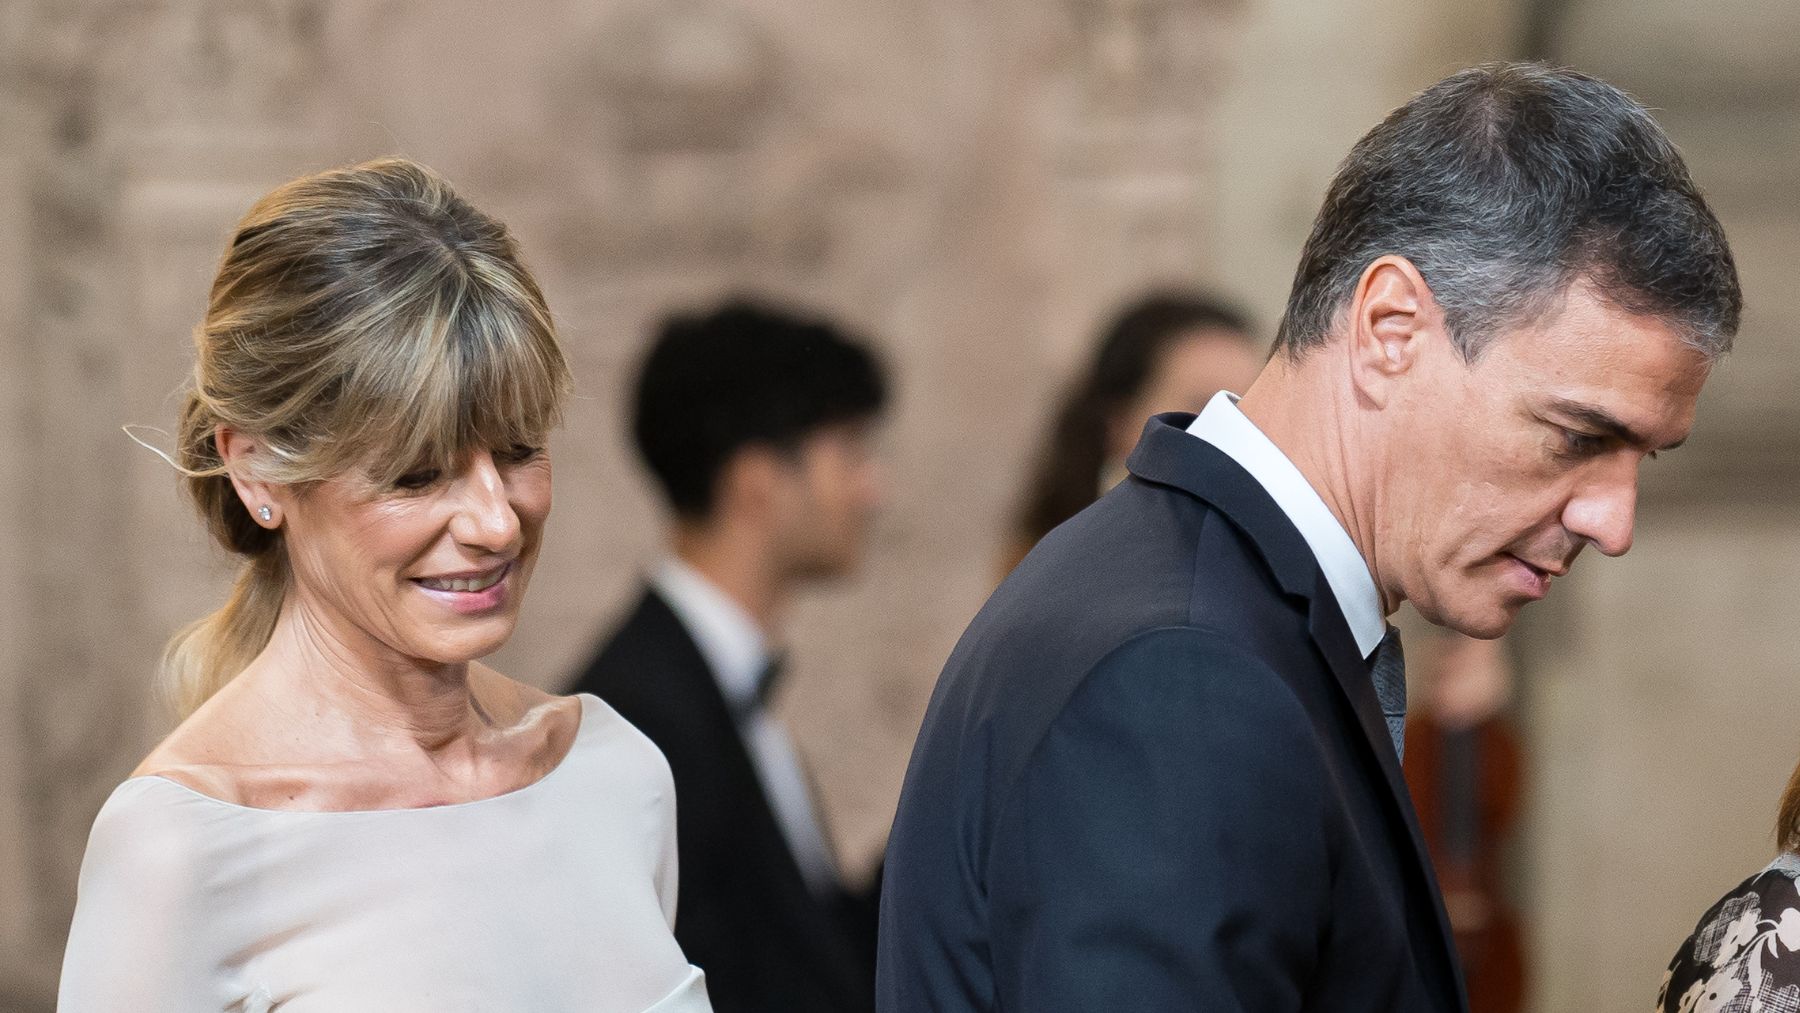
pixel 1602 421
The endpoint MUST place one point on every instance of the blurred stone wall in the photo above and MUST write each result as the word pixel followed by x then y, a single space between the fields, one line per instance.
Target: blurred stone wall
pixel 973 184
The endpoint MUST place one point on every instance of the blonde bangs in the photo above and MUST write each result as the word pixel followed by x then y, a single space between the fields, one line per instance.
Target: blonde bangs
pixel 478 369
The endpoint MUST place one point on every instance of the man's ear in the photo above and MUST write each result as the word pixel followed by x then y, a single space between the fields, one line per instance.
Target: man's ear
pixel 750 485
pixel 1392 321
pixel 266 501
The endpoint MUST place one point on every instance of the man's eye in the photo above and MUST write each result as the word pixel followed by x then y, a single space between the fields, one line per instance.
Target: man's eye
pixel 1579 444
pixel 521 453
pixel 417 479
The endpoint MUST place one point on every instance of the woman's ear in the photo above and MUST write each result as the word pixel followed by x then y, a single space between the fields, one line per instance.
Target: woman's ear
pixel 239 453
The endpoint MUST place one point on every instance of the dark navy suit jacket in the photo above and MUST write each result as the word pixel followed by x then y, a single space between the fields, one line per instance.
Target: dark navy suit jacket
pixel 1154 776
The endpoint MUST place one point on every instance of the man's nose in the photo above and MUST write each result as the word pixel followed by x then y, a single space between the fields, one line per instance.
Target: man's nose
pixel 1605 512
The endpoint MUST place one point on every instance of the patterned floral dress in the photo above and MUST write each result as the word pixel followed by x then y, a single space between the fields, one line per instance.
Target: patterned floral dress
pixel 1744 957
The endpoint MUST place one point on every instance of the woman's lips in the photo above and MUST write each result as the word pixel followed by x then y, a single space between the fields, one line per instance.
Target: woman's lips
pixel 470 593
pixel 475 582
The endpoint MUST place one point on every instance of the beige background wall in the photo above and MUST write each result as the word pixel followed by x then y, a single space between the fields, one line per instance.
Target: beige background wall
pixel 972 183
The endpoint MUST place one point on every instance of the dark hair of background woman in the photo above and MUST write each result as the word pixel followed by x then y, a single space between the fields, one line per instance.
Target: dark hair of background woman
pixel 1066 476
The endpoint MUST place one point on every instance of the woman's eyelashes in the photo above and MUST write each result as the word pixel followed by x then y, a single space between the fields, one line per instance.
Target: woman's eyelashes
pixel 413 481
pixel 424 478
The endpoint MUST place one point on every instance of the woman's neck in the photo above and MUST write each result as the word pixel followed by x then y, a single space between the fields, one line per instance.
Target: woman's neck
pixel 359 693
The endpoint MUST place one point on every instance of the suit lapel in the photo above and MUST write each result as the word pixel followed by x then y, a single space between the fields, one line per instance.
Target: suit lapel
pixel 697 684
pixel 1169 455
pixel 723 742
pixel 765 846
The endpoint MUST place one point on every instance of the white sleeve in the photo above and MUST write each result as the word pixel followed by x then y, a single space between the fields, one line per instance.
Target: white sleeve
pixel 667 859
pixel 140 938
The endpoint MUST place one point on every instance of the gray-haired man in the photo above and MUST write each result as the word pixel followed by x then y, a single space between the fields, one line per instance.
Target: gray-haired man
pixel 1161 770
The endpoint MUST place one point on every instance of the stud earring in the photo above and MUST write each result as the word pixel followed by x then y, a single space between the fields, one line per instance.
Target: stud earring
pixel 265 513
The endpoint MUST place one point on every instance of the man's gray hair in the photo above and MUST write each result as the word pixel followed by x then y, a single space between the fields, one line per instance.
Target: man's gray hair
pixel 1503 185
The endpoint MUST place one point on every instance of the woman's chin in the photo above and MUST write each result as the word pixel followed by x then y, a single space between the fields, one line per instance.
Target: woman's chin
pixel 459 647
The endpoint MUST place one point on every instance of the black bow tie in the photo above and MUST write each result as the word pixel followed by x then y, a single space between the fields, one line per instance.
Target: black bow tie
pixel 766 681
pixel 769 678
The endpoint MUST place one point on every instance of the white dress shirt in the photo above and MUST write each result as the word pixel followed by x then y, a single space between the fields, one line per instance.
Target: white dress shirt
pixel 1226 427
pixel 737 652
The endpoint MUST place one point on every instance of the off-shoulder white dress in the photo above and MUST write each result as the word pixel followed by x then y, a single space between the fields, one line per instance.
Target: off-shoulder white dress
pixel 559 896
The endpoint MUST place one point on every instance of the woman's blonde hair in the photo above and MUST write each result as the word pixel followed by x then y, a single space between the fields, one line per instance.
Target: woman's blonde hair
pixel 365 319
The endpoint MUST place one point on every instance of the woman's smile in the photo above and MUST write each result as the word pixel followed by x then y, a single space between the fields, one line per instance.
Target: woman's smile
pixel 473 592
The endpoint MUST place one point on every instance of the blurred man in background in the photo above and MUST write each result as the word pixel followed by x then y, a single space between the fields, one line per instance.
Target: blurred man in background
pixel 756 424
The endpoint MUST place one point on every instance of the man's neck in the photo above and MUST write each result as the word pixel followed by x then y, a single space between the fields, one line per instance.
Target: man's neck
pixel 739 566
pixel 1310 413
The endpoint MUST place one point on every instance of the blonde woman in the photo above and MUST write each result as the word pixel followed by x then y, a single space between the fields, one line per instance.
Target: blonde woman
pixel 355 813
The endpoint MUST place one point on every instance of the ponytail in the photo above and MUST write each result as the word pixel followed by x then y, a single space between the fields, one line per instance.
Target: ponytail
pixel 207 654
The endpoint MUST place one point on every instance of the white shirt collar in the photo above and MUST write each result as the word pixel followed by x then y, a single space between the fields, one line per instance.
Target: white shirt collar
pixel 1226 427
pixel 732 644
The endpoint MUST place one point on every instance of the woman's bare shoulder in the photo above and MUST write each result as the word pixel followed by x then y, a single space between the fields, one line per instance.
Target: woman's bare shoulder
pixel 207 751
pixel 544 723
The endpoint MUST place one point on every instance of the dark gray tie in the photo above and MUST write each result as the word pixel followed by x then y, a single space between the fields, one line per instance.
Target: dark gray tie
pixel 1389 672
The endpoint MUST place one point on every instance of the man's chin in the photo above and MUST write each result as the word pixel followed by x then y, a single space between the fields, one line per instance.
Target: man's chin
pixel 1488 621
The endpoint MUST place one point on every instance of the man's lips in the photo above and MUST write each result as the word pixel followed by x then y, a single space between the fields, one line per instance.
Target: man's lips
pixel 1556 570
pixel 1533 581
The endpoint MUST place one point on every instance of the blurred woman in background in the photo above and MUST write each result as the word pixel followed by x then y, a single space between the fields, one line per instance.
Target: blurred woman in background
pixel 355 814
pixel 1168 351
pixel 1745 953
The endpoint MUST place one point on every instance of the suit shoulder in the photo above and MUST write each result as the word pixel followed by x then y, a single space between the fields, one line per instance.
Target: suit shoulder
pixel 1173 683
pixel 1214 675
pixel 1182 700
pixel 633 661
pixel 1142 557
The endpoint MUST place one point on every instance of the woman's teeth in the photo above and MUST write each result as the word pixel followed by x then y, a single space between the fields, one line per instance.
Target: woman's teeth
pixel 464 584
